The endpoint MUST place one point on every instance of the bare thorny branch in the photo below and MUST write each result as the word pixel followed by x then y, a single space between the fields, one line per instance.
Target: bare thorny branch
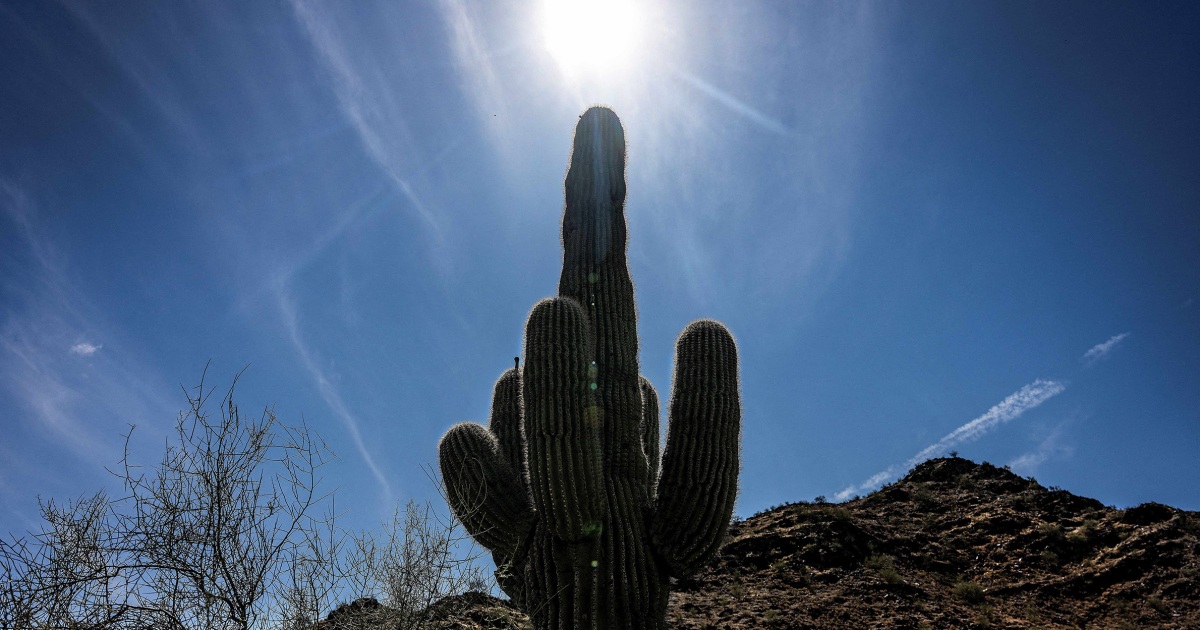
pixel 227 531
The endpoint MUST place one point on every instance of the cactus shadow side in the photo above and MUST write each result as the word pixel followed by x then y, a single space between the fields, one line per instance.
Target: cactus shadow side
pixel 566 486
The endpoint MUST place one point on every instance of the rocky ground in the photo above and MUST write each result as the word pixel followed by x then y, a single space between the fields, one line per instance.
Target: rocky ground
pixel 954 544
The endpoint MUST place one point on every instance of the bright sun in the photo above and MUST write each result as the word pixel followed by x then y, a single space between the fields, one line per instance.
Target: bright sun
pixel 591 35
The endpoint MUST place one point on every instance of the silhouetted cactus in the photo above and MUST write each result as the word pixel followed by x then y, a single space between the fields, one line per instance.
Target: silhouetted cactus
pixel 564 486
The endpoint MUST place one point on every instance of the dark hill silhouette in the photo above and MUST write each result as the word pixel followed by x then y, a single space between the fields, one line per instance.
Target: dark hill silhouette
pixel 954 544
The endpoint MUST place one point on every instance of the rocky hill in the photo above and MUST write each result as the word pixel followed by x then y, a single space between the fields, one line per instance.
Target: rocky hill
pixel 954 544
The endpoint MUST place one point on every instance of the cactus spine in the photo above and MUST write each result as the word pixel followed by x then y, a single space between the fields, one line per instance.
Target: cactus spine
pixel 565 486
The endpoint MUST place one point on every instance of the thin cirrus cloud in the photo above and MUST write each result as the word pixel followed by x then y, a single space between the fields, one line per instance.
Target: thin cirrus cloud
pixel 85 409
pixel 735 105
pixel 1027 463
pixel 1099 350
pixel 147 72
pixel 325 387
pixel 474 61
pixel 366 106
pixel 1011 408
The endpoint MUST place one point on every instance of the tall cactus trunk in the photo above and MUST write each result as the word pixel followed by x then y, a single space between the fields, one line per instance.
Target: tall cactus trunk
pixel 565 485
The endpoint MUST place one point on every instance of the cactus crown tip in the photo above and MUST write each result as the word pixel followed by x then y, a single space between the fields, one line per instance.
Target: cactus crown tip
pixel 600 117
pixel 599 111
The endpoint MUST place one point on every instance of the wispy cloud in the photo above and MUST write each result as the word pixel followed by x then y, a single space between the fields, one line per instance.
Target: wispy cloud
pixel 477 70
pixel 85 349
pixel 85 410
pixel 734 104
pixel 148 72
pixel 325 387
pixel 31 371
pixel 1099 350
pixel 44 391
pixel 1011 408
pixel 366 109
pixel 1027 463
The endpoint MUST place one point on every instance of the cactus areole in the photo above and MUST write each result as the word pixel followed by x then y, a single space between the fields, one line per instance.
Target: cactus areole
pixel 565 485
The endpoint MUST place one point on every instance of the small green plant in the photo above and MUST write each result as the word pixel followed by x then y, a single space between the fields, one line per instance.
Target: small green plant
pixel 924 497
pixel 880 561
pixel 841 514
pixel 738 591
pixel 969 591
pixel 984 616
pixel 885 566
pixel 1084 532
pixel 1031 612
pixel 1053 531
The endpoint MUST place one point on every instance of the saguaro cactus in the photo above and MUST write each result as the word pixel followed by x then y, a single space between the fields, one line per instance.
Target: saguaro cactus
pixel 564 486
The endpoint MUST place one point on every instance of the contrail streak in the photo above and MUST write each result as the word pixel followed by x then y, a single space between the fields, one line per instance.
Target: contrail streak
pixel 1010 408
pixel 727 99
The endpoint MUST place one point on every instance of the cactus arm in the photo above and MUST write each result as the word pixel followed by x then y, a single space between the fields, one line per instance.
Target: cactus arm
pixel 650 432
pixel 698 484
pixel 596 275
pixel 505 422
pixel 482 489
pixel 561 421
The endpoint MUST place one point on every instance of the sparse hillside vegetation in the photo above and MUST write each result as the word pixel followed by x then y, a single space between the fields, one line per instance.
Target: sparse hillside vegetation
pixel 230 530
pixel 954 544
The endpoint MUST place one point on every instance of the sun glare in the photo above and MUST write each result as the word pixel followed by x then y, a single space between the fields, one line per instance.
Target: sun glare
pixel 591 35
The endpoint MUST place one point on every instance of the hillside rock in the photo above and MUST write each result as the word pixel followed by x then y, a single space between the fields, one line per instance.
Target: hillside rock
pixel 470 611
pixel 954 544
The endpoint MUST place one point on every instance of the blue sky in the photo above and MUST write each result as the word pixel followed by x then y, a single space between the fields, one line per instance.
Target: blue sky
pixel 932 227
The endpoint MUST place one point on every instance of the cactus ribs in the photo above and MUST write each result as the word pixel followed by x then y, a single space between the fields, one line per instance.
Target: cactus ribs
pixel 565 486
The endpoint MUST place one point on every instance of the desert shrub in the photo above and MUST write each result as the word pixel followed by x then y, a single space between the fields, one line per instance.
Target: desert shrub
pixel 984 616
pixel 971 592
pixel 885 566
pixel 924 497
pixel 841 514
pixel 416 559
pixel 1051 531
pixel 1084 532
pixel 228 531
pixel 226 526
